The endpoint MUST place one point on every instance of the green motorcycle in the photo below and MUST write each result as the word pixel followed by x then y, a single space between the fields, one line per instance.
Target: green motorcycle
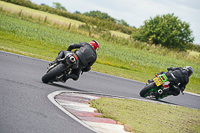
pixel 157 88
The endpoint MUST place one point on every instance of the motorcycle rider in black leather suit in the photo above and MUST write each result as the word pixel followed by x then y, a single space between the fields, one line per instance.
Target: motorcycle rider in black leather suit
pixel 87 55
pixel 178 78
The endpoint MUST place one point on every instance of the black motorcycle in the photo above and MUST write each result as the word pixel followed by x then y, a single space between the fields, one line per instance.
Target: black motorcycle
pixel 57 71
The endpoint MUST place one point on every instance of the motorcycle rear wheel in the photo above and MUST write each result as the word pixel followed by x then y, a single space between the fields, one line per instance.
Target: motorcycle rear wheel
pixel 52 74
pixel 148 89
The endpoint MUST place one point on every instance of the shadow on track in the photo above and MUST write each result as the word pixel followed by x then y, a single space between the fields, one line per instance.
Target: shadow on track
pixel 167 102
pixel 161 101
pixel 65 87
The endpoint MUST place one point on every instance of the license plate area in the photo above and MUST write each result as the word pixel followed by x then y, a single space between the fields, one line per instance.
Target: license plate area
pixel 158 81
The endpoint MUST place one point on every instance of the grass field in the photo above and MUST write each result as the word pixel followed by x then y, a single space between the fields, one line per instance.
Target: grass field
pixel 38 14
pixel 43 42
pixel 144 117
pixel 116 33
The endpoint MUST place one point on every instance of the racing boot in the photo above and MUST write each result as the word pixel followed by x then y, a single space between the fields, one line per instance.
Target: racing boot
pixel 72 76
pixel 150 81
pixel 65 78
pixel 160 96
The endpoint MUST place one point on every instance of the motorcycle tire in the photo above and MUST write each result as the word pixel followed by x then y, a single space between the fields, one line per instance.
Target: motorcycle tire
pixel 147 89
pixel 53 73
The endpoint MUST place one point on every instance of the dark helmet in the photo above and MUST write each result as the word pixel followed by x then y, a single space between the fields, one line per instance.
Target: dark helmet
pixel 94 44
pixel 189 69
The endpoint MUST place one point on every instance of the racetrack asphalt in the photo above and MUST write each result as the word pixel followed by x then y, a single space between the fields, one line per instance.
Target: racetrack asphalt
pixel 26 108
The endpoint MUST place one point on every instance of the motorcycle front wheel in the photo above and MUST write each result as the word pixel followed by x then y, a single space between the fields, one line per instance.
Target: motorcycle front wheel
pixel 52 74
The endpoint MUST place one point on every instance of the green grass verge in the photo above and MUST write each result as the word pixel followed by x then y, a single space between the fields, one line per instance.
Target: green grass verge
pixel 145 117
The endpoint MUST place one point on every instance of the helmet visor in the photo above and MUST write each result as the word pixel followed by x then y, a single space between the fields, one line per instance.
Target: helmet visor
pixel 190 73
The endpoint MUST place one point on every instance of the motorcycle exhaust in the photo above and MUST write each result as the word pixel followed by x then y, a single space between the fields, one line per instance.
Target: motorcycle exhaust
pixel 160 91
pixel 72 59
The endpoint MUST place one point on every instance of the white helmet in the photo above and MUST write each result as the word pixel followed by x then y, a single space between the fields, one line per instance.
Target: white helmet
pixel 189 69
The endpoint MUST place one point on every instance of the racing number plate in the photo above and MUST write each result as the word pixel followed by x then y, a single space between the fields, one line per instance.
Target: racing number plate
pixel 157 81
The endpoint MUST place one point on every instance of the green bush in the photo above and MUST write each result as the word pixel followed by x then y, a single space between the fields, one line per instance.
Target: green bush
pixel 166 30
